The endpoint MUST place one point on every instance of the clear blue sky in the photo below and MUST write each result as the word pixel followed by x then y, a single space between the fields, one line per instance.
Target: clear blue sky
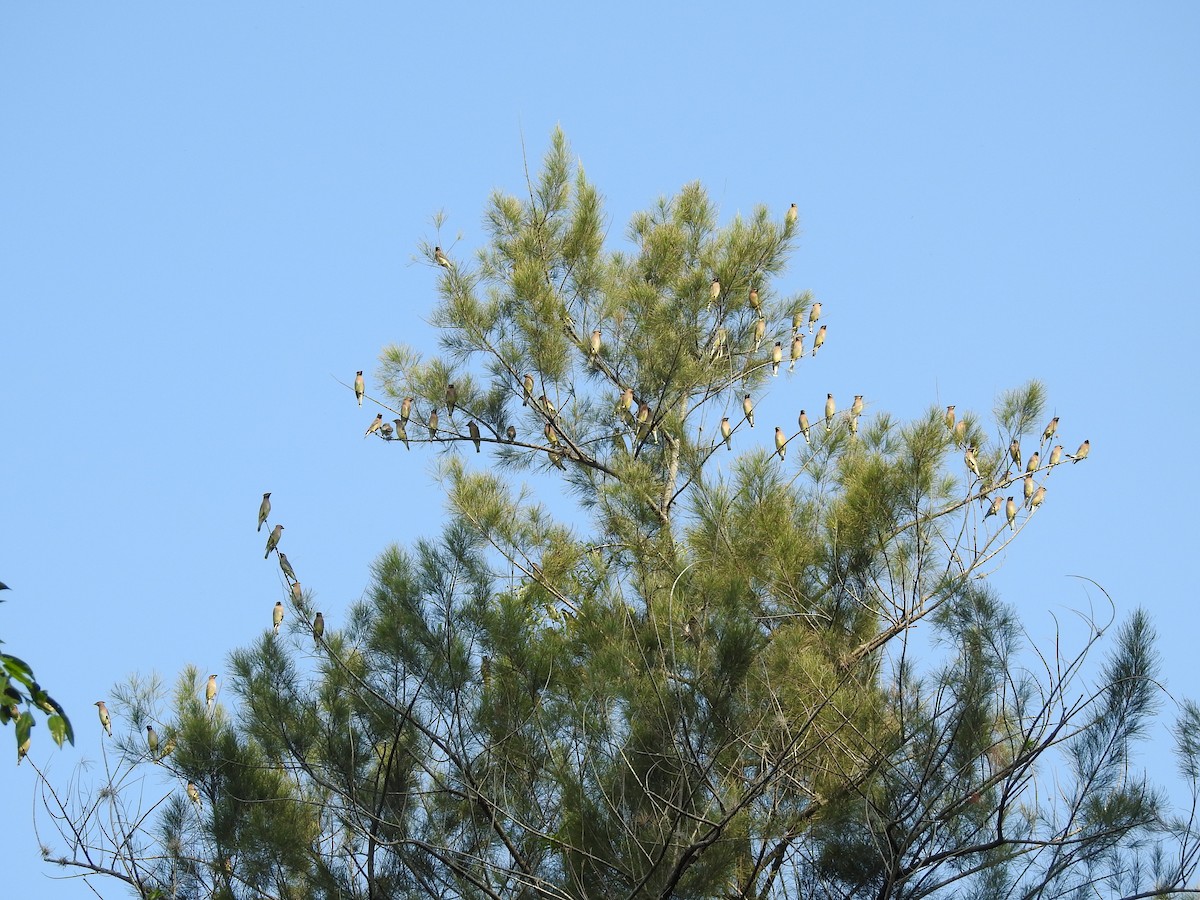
pixel 210 211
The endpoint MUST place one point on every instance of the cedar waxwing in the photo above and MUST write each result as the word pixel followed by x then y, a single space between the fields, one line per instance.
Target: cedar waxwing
pixel 618 441
pixel 644 416
pixel 804 427
pixel 264 509
pixel 856 407
pixel 748 409
pixel 950 418
pixel 1084 449
pixel 780 443
pixel 152 739
pixel 1036 500
pixel 797 351
pixel 797 318
pixel 813 314
pixel 720 340
pixel 473 430
pixel 375 425
pixel 714 290
pixel 402 433
pixel 1010 513
pixel 819 339
pixel 318 628
pixel 511 433
pixel 433 423
pixel 776 357
pixel 960 432
pixel 995 507
pixel 1029 488
pixel 360 387
pixel 210 693
pixel 727 433
pixel 1056 454
pixel 105 719
pixel 852 424
pixel 594 347
pixel 691 630
pixel 527 389
pixel 288 572
pixel 556 458
pixel 551 434
pixel 755 303
pixel 547 406
pixel 193 794
pixel 792 215
pixel 277 616
pixel 440 257
pixel 760 331
pixel 830 409
pixel 972 463
pixel 451 398
pixel 386 430
pixel 1014 451
pixel 1051 427
pixel 405 409
pixel 273 540
pixel 1035 460
pixel 625 404
pixel 297 593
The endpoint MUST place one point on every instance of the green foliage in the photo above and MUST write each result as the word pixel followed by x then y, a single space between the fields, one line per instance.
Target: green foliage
pixel 18 687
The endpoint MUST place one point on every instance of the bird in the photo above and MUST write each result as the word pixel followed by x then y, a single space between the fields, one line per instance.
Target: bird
pixel 1056 454
pixel 1014 451
pixel 852 424
pixel 386 430
pixel 549 408
pixel 748 409
pixel 288 572
pixel 714 289
pixel 727 433
pixel 375 425
pixel 960 432
pixel 626 402
pixel 819 339
pixel 1036 500
pixel 551 434
pixel 618 441
pixel 594 347
pixel 440 257
pixel 972 462
pixel 556 458
pixel 797 319
pixel 814 313
pixel 23 747
pixel 830 409
pixel 755 303
pixel 210 692
pixel 527 386
pixel 1010 513
pixel 1084 449
pixel 451 398
pixel 780 443
pixel 511 433
pixel 995 507
pixel 856 407
pixel 318 628
pixel 1035 459
pixel 405 409
pixel 105 719
pixel 433 423
pixel 804 427
pixel 277 616
pixel 473 430
pixel 760 331
pixel 797 351
pixel 152 739
pixel 360 387
pixel 776 357
pixel 297 593
pixel 193 794
pixel 950 417
pixel 643 420
pixel 1051 427
pixel 1028 488
pixel 273 540
pixel 792 215
pixel 402 433
pixel 719 344
pixel 264 509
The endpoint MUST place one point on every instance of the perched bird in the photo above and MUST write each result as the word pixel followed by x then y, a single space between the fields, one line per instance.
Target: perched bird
pixel 273 540
pixel 511 433
pixel 288 572
pixel 210 693
pixel 618 441
pixel 386 430
pixel 755 303
pixel 277 616
pixel 1014 451
pixel 797 351
pixel 297 593
pixel 1010 513
pixel 550 409
pixel 719 344
pixel 451 398
pixel 23 747
pixel 776 357
pixel 440 257
pixel 1035 460
pixel 792 215
pixel 852 424
pixel 856 407
pixel 804 427
pixel 760 331
pixel 375 425
pixel 748 409
pixel 152 739
pixel 1051 427
pixel 819 339
pixel 960 432
pixel 551 434
pixel 594 347
pixel 1029 488
pixel 473 430
pixel 405 409
pixel 193 794
pixel 995 507
pixel 1056 454
pixel 1036 500
pixel 402 433
pixel 644 421
pixel 972 462
pixel 556 458
pixel 1084 449
pixel 360 387
pixel 727 433
pixel 830 409
pixel 814 313
pixel 527 386
pixel 780 443
pixel 714 290
pixel 625 404
pixel 797 319
pixel 105 719
pixel 264 509
pixel 691 630
pixel 433 424
pixel 950 418
pixel 318 628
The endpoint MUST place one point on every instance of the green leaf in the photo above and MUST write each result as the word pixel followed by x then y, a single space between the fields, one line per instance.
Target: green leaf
pixel 60 729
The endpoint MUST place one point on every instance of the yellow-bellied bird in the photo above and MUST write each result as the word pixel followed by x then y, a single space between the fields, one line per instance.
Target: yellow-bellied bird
pixel 780 442
pixel 755 303
pixel 1035 460
pixel 950 417
pixel 264 509
pixel 360 387
pixel 297 593
pixel 819 340
pixel 473 430
pixel 1084 449
pixel 440 257
pixel 433 424
pixel 105 719
pixel 318 628
pixel 210 693
pixel 625 404
pixel 814 313
pixel 776 357
pixel 856 407
pixel 830 409
pixel 797 318
pixel 551 434
pixel 727 433
pixel 288 572
pixel 714 290
pixel 1029 488
pixel 594 346
pixel 1014 451
pixel 451 398
pixel 277 616
pixel 550 409
pixel 1056 454
pixel 804 427
pixel 797 351
pixel 405 409
pixel 402 433
pixel 618 441
pixel 1010 513
pixel 1051 427
pixel 193 794
pixel 960 432
pixel 1036 500
pixel 760 331
pixel 995 507
pixel 375 425
pixel 748 409
pixel 527 389
pixel 972 462
pixel 792 215
pixel 556 458
pixel 152 739
pixel 852 424
pixel 273 540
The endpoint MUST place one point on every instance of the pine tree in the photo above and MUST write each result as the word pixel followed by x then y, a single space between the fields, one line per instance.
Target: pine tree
pixel 704 684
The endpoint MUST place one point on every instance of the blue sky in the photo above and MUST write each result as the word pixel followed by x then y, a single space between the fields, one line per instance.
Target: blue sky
pixel 210 214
